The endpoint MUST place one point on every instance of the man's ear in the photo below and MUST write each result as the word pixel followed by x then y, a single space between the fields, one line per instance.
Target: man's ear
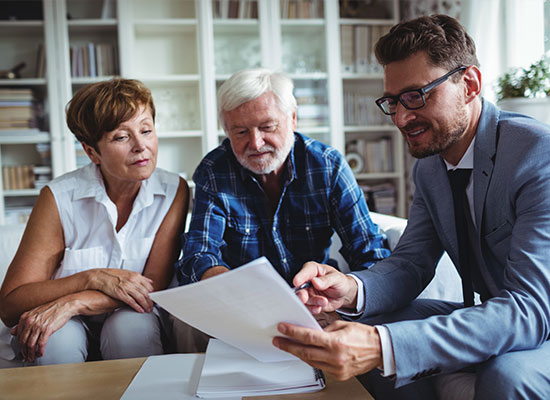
pixel 472 83
pixel 294 121
pixel 92 153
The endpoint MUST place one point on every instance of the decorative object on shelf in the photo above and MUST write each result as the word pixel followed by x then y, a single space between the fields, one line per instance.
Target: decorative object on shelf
pixel 527 90
pixel 13 73
pixel 355 162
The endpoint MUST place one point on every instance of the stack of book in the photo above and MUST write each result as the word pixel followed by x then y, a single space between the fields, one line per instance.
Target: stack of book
pixel 94 59
pixel 381 198
pixel 16 109
pixel 243 9
pixel 42 175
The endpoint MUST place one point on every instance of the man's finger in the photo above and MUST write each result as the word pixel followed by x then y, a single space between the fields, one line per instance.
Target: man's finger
pixel 303 335
pixel 306 274
pixel 309 354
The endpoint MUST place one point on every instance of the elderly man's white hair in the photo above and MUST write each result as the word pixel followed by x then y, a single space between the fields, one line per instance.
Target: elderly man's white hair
pixel 249 84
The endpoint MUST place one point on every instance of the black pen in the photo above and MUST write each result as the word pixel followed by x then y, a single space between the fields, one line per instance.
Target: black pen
pixel 302 286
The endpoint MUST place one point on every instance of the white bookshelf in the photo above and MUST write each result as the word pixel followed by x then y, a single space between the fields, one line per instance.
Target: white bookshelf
pixel 183 50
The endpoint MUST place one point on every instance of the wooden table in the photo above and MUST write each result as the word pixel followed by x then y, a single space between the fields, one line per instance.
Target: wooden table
pixel 109 379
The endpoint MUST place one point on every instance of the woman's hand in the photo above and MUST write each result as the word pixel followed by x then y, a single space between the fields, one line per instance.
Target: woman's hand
pixel 129 287
pixel 37 325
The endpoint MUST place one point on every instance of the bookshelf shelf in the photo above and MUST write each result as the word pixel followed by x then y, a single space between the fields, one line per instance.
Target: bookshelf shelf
pixel 92 22
pixel 21 192
pixel 19 138
pixel 303 22
pixel 23 82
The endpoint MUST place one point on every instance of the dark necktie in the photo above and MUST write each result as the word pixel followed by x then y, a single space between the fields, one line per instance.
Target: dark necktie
pixel 459 179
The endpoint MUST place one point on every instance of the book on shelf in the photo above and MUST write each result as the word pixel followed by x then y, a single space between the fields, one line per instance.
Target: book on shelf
pixel 361 41
pixel 235 9
pixel 40 71
pixel 346 48
pixel 93 59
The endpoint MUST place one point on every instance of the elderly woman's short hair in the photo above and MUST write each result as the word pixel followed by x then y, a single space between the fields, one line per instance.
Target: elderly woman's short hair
pixel 101 107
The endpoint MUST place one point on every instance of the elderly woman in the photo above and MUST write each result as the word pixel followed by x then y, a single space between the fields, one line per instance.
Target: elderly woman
pixel 99 239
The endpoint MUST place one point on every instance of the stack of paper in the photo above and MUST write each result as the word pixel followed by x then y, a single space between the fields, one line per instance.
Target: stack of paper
pixel 241 307
pixel 228 371
pixel 168 377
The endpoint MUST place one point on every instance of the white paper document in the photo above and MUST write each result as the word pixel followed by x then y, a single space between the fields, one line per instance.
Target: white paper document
pixel 228 371
pixel 241 307
pixel 168 377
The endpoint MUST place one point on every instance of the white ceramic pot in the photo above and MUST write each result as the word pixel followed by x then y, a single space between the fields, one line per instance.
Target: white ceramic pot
pixel 538 108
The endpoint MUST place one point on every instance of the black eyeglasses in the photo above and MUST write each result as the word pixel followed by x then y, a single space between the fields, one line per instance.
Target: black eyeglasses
pixel 412 99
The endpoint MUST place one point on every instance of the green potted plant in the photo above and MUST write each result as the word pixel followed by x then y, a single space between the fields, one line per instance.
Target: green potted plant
pixel 527 90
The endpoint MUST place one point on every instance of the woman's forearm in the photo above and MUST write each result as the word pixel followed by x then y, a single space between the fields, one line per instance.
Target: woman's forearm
pixel 34 294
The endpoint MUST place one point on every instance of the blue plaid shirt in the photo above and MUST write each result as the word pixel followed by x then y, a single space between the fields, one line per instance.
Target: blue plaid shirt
pixel 232 223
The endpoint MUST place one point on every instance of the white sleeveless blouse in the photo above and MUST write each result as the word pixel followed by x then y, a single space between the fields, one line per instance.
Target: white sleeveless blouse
pixel 89 219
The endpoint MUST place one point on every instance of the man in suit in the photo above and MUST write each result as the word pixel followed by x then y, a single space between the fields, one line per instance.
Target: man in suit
pixel 499 241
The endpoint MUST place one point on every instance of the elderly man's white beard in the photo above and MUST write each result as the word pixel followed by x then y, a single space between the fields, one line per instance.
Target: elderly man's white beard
pixel 272 162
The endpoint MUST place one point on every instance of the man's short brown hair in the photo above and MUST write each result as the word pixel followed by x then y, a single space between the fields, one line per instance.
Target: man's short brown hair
pixel 101 107
pixel 441 37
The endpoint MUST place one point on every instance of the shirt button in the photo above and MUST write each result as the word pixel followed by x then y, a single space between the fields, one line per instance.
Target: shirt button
pixel 274 229
pixel 307 228
pixel 247 230
pixel 284 260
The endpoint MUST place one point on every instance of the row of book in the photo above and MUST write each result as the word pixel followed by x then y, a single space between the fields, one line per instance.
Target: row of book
pixel 94 59
pixel 15 177
pixel 357 47
pixel 242 9
pixel 361 109
pixel 381 198
pixel 292 9
pixel 370 156
pixel 17 109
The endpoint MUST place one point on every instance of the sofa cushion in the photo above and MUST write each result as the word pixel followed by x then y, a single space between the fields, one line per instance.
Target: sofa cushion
pixel 10 236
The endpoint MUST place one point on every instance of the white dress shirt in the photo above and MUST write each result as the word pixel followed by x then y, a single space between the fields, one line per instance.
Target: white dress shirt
pixel 466 162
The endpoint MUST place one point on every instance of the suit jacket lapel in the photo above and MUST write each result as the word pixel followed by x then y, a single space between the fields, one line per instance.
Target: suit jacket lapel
pixel 484 152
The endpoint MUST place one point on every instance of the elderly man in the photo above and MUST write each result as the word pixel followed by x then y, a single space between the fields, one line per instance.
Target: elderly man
pixel 482 190
pixel 270 191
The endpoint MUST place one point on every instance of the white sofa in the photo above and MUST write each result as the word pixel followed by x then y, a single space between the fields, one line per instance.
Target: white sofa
pixel 10 235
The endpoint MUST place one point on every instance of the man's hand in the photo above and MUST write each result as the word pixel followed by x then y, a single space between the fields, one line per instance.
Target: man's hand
pixel 343 349
pixel 37 325
pixel 127 286
pixel 330 289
